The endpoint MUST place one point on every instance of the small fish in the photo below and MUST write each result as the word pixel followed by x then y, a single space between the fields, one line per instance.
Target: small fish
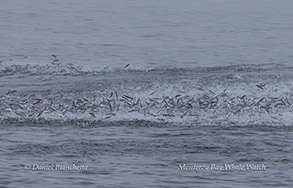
pixel 168 115
pixel 54 56
pixel 129 104
pixel 92 114
pixel 53 108
pixel 261 86
pixel 37 101
pixel 153 92
pixel 137 102
pixel 189 105
pixel 283 102
pixel 41 112
pixel 52 101
pixel 110 107
pixel 108 117
pixel 179 100
pixel 10 92
pixel 257 103
pixel 116 95
pixel 126 65
pixel 55 60
pixel 127 97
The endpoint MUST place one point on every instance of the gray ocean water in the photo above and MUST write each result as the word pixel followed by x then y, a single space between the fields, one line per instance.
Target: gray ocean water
pixel 187 93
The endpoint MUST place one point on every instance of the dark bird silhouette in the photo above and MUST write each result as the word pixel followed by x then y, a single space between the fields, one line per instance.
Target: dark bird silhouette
pixel 261 85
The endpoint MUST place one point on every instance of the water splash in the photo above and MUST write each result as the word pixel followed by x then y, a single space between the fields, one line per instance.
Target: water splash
pixel 234 95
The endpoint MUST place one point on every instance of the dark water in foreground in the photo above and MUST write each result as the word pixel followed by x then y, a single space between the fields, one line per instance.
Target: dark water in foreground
pixel 142 154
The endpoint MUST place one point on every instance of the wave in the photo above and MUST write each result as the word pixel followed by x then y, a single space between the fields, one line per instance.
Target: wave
pixel 238 95
pixel 76 70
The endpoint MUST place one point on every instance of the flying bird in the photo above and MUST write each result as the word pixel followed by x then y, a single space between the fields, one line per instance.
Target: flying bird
pixel 261 85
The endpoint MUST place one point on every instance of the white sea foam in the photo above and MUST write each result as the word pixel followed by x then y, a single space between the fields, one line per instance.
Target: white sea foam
pixel 202 96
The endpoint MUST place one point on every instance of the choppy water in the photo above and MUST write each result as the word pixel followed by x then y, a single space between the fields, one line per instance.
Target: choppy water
pixel 134 127
pixel 209 83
